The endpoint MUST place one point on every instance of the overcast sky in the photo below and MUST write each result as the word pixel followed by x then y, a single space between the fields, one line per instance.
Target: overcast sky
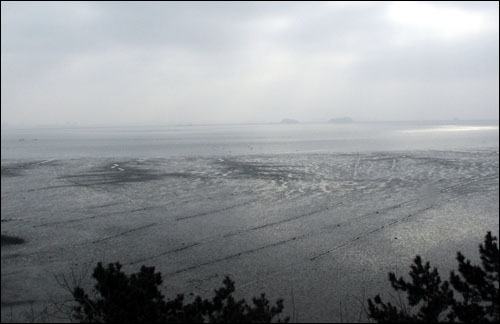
pixel 188 62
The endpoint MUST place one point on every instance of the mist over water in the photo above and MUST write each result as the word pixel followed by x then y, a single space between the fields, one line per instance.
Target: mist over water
pixel 197 142
pixel 220 140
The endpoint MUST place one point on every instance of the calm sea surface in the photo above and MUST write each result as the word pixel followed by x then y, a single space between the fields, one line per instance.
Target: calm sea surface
pixel 224 140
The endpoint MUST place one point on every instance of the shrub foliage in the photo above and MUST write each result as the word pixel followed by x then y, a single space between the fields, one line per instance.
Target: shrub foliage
pixel 472 296
pixel 136 298
pixel 432 300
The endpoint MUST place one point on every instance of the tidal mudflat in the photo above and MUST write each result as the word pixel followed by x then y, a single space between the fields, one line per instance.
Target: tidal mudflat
pixel 319 229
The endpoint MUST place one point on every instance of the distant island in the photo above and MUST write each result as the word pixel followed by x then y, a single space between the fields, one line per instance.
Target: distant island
pixel 343 120
pixel 289 121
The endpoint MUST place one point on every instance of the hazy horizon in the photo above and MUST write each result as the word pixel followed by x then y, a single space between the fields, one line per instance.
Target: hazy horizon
pixel 131 63
pixel 304 149
pixel 6 125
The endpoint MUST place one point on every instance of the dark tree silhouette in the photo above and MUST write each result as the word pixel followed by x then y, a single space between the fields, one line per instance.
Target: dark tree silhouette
pixel 137 299
pixel 479 286
pixel 430 300
pixel 472 296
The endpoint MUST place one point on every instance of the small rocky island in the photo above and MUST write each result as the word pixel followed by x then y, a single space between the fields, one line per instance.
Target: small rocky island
pixel 289 121
pixel 343 120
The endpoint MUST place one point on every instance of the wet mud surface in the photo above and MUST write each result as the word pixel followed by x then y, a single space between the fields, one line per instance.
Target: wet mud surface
pixel 323 227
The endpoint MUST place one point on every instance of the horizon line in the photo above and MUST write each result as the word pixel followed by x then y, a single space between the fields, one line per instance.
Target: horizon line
pixel 191 124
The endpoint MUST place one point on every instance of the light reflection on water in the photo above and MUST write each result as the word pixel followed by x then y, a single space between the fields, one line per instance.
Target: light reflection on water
pixel 230 140
pixel 451 128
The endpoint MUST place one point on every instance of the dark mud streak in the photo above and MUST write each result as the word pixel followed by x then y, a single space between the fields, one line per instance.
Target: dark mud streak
pixel 165 253
pixel 380 212
pixel 404 218
pixel 51 187
pixel 295 238
pixel 107 176
pixel 217 211
pixel 232 256
pixel 123 233
pixel 462 184
pixel 96 216
pixel 106 205
pixel 138 210
pixel 17 169
pixel 78 184
pixel 328 230
pixel 221 197
pixel 281 221
pixel 9 172
pixel 11 240
pixel 110 174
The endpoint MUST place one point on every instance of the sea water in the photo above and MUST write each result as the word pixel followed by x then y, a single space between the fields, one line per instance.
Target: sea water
pixel 314 213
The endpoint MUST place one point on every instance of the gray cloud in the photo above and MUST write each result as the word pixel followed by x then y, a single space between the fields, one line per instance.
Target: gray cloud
pixel 175 62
